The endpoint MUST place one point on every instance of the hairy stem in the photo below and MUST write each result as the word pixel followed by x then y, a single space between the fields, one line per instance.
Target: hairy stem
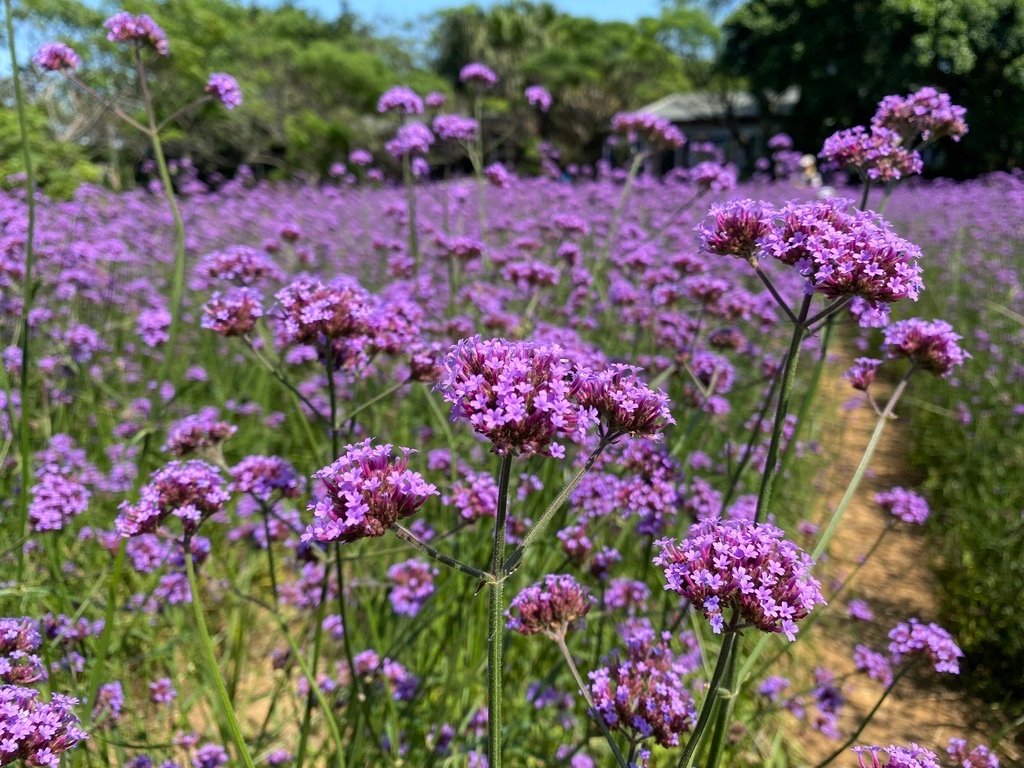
pixel 724 660
pixel 496 619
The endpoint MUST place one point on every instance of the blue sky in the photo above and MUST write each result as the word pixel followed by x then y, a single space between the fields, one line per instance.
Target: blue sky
pixel 391 12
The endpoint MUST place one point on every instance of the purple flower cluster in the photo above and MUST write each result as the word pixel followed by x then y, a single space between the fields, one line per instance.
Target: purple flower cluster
pixel 265 477
pixel 140 29
pixel 200 432
pixel 239 265
pixel 314 313
pixel 624 404
pixel 476 73
pixel 35 731
pixel 410 139
pixel 19 663
pixel 224 88
pixel 189 490
pixel 402 99
pixel 878 154
pixel 645 128
pixel 475 495
pixel 911 756
pixel 736 229
pixel 644 693
pixel 455 127
pixel 56 57
pixel 913 637
pixel 539 97
pixel 412 584
pixel 367 489
pixel 927 112
pixel 234 313
pixel 979 757
pixel 903 504
pixel 875 664
pixel 551 607
pixel 844 253
pixel 517 394
pixel 749 570
pixel 862 373
pixel 57 497
pixel 931 345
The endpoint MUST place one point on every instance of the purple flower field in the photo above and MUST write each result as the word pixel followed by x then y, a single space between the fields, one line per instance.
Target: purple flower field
pixel 502 469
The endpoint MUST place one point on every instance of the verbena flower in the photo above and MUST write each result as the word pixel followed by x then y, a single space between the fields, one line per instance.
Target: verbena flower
pixel 713 177
pixel 878 154
pixel 479 74
pixel 551 607
pixel 210 755
pixel 57 497
pixel 162 691
pixel 198 432
pixel 517 394
pixel 313 312
pixel 624 404
pixel 931 345
pixel 265 477
pixel 911 756
pixel 435 100
pixel 644 692
pixel 649 129
pixel 927 112
pixel 234 313
pixel 109 703
pixel 875 664
pixel 367 489
pixel 402 99
pixel 412 584
pixel 35 731
pixel 539 97
pixel 410 139
pixel 861 374
pixel 225 89
pixel 904 505
pixel 56 57
pixel 912 638
pixel 979 757
pixel 749 571
pixel 845 253
pixel 456 127
pixel 139 29
pixel 190 490
pixel 736 229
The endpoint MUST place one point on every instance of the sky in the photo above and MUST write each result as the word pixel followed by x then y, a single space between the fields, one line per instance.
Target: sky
pixel 390 13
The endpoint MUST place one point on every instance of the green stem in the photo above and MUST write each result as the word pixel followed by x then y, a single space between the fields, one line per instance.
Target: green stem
pixel 785 393
pixel 865 460
pixel 332 396
pixel 27 292
pixel 560 642
pixel 210 659
pixel 748 450
pixel 410 538
pixel 725 706
pixel 376 398
pixel 410 206
pixel 864 194
pixel 542 522
pixel 318 635
pixel 724 660
pixel 496 619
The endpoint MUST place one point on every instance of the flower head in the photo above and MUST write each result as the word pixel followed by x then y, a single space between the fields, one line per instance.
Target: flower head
pixel 911 756
pixel 747 570
pixel 476 73
pixel 903 504
pixel 224 88
pixel 367 489
pixel 313 313
pixel 913 637
pixel 190 490
pixel 878 154
pixel 932 345
pixel 736 229
pixel 643 127
pixel 539 97
pixel 927 112
pixel 412 584
pixel 517 394
pixel 979 757
pixel 550 607
pixel 455 127
pixel 862 373
pixel 402 99
pixel 198 432
pixel 265 477
pixel 411 139
pixel 234 313
pixel 56 57
pixel 140 29
pixel 35 731
pixel 624 403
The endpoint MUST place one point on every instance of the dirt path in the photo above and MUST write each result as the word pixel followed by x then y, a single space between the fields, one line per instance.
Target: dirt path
pixel 896 583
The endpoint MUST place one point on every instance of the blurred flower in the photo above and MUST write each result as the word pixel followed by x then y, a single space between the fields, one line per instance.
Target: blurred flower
pixel 550 607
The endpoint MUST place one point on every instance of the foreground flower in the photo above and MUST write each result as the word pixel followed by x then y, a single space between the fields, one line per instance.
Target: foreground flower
pixel 35 731
pixel 139 29
pixel 736 229
pixel 550 607
pixel 750 571
pixel 368 489
pixel 312 312
pixel 517 394
pixel 912 756
pixel 190 490
pixel 624 403
pixel 56 57
pixel 912 638
pixel 224 88
pixel 645 693
pixel 932 346
pixel 234 313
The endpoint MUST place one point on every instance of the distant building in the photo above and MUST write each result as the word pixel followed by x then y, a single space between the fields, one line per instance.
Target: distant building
pixel 733 121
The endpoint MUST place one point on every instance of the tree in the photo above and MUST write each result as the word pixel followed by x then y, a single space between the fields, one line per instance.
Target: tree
pixel 846 56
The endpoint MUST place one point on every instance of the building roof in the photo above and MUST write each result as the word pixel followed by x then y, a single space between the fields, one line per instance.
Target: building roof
pixel 706 106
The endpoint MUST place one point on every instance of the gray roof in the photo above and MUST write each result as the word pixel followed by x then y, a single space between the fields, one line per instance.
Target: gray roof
pixel 704 106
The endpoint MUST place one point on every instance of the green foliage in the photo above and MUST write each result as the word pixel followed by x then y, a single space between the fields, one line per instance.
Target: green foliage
pixel 60 166
pixel 845 62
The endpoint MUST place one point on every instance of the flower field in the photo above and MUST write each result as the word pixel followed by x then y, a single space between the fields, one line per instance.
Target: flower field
pixel 503 469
